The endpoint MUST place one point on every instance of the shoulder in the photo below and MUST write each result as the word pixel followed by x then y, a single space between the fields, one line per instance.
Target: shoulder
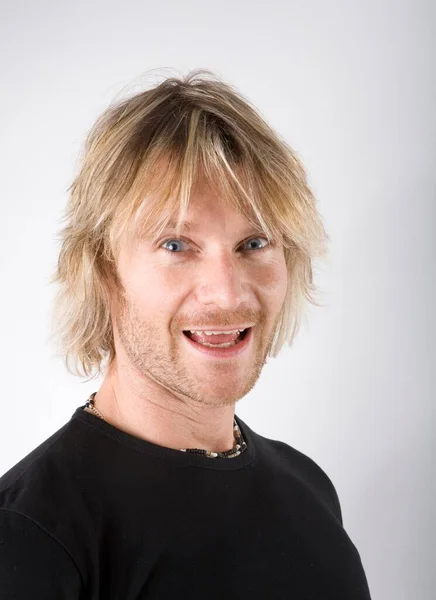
pixel 31 559
pixel 309 473
pixel 33 472
pixel 41 500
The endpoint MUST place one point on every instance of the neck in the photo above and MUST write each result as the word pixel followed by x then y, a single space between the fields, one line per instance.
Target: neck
pixel 147 410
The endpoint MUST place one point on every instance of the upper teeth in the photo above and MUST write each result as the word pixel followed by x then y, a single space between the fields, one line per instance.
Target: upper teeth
pixel 216 332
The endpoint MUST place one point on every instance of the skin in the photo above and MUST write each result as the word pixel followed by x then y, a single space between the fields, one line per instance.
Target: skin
pixel 160 389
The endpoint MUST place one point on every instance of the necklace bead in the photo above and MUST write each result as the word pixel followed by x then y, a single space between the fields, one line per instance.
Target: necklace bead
pixel 238 448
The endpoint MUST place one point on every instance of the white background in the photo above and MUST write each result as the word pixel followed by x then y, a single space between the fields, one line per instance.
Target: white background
pixel 351 86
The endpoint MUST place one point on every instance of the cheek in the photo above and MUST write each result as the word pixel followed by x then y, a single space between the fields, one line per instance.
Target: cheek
pixel 272 278
pixel 154 290
pixel 142 275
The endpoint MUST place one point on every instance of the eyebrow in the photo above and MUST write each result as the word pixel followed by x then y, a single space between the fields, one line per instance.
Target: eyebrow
pixel 189 226
pixel 184 225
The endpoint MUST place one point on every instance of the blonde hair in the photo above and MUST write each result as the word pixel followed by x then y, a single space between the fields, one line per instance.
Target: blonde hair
pixel 140 161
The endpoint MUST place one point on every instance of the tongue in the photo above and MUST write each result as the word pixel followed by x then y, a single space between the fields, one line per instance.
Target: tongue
pixel 222 338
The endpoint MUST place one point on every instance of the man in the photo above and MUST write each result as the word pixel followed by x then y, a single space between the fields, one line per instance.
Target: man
pixel 185 261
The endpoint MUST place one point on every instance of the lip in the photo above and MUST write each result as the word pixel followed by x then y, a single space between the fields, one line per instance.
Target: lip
pixel 230 352
pixel 240 327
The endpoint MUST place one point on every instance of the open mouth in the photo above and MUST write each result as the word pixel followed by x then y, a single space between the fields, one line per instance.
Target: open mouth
pixel 221 346
pixel 240 338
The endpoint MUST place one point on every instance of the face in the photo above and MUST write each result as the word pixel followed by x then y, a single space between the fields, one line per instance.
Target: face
pixel 218 274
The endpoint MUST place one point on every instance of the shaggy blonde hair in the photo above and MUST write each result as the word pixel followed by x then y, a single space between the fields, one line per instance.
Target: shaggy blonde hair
pixel 140 161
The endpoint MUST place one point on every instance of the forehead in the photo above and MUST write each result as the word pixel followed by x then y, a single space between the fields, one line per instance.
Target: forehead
pixel 210 217
pixel 207 208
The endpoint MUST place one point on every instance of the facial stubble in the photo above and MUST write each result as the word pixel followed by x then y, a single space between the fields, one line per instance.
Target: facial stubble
pixel 156 356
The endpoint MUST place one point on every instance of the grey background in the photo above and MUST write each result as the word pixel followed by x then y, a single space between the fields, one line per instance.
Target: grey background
pixel 351 86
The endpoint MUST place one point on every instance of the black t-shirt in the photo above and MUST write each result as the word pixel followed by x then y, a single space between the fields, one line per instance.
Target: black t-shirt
pixel 96 513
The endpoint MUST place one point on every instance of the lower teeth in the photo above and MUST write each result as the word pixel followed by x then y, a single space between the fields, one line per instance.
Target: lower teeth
pixel 224 345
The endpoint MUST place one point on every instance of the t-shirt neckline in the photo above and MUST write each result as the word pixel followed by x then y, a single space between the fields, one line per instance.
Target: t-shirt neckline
pixel 177 457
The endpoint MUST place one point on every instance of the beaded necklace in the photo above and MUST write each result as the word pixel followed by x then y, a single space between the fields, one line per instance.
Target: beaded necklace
pixel 238 448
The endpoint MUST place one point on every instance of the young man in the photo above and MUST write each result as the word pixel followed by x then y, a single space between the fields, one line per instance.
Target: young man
pixel 186 262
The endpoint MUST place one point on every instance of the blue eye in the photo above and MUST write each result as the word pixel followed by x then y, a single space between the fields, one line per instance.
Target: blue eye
pixel 259 238
pixel 175 241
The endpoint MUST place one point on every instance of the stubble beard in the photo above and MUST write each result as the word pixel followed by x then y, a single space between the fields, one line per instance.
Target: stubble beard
pixel 151 359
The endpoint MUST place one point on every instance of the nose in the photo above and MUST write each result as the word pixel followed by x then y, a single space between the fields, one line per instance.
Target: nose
pixel 220 282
